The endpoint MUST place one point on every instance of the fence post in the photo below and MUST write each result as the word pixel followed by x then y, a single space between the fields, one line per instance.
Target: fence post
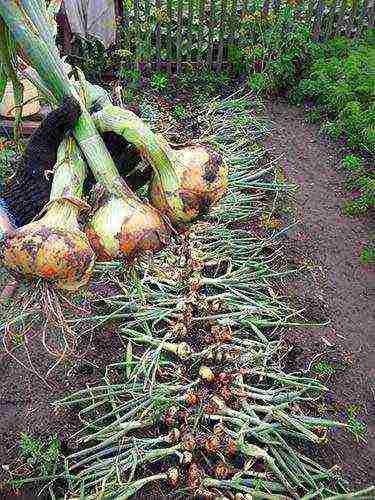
pixel 352 20
pixel 340 20
pixel 318 20
pixel 170 55
pixel 189 33
pixel 331 16
pixel 199 38
pixel 136 18
pixel 371 14
pixel 157 34
pixel 179 35
pixel 210 32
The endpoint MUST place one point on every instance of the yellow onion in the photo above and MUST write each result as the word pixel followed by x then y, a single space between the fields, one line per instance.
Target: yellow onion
pixel 54 247
pixel 186 181
pixel 202 181
pixel 123 228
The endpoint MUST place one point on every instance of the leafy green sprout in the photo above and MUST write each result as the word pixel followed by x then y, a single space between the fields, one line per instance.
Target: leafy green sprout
pixel 352 162
pixel 43 458
pixel 179 110
pixel 355 426
pixel 159 80
pixel 324 368
pixel 367 255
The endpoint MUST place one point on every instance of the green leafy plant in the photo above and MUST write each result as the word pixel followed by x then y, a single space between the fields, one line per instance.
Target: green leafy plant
pixel 44 459
pixel 324 368
pixel 355 425
pixel 313 115
pixel 337 76
pixel 132 75
pixel 352 162
pixel 367 255
pixel 159 80
pixel 357 206
pixel 179 110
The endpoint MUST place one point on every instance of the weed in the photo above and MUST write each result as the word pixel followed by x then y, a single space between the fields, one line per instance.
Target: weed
pixel 17 338
pixel 159 80
pixel 357 207
pixel 356 427
pixel 43 459
pixel 131 75
pixel 352 162
pixel 367 255
pixel 324 368
pixel 8 157
pixel 179 110
pixel 313 115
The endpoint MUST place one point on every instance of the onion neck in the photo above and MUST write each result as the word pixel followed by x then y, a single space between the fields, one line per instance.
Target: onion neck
pixel 62 215
pixel 152 146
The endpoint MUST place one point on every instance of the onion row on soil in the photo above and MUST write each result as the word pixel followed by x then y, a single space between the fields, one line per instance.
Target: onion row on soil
pixel 200 405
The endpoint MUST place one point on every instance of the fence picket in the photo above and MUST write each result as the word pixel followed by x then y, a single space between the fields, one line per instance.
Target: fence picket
pixel 179 35
pixel 341 18
pixel 210 34
pixel 330 18
pixel 233 18
pixel 371 14
pixel 157 33
pixel 189 32
pixel 137 32
pixel 169 42
pixel 318 19
pixel 223 14
pixel 200 30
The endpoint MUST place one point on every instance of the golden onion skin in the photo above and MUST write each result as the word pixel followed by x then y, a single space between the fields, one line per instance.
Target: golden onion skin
pixel 202 181
pixel 60 255
pixel 122 229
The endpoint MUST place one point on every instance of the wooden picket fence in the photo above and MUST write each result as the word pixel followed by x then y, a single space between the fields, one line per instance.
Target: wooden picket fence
pixel 173 33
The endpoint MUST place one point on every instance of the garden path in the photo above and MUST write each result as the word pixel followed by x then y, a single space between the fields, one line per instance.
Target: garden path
pixel 341 288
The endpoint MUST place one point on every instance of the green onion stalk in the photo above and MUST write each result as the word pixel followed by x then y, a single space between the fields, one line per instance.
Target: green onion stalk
pixel 186 181
pixel 8 70
pixel 123 227
pixel 54 247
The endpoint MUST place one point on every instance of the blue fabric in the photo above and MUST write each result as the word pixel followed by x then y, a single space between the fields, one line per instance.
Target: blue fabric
pixel 4 207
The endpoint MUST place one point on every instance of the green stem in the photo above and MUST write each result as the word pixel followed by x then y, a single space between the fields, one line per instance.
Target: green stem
pixel 133 129
pixel 51 69
pixel 8 62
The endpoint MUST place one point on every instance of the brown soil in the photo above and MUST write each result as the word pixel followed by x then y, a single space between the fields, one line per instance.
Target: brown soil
pixel 337 288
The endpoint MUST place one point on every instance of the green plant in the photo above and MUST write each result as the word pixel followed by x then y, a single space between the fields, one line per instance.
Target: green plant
pixel 132 75
pixel 357 206
pixel 367 255
pixel 357 428
pixel 337 75
pixel 159 80
pixel 313 115
pixel 352 162
pixel 128 94
pixel 45 459
pixel 179 110
pixel 324 368
pixel 8 155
